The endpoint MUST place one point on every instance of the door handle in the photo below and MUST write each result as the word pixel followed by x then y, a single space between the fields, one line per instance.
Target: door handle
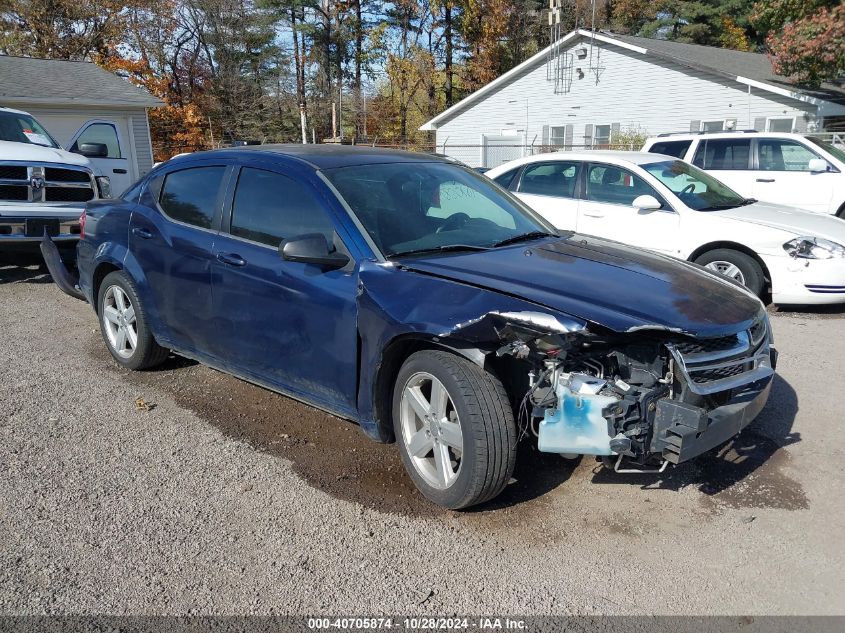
pixel 765 180
pixel 118 171
pixel 232 259
pixel 144 234
pixel 593 213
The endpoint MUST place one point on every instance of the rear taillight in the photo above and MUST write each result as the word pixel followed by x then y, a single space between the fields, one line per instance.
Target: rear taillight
pixel 82 226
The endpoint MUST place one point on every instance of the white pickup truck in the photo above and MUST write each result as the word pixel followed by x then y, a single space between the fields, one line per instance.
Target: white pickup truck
pixel 43 188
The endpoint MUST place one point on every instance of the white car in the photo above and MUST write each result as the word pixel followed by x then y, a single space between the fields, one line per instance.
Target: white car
pixel 666 205
pixel 793 169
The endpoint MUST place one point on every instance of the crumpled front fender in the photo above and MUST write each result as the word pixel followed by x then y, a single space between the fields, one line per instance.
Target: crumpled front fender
pixel 446 312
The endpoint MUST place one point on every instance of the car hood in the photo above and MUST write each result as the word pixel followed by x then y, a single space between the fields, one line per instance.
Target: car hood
pixel 616 286
pixel 789 219
pixel 10 150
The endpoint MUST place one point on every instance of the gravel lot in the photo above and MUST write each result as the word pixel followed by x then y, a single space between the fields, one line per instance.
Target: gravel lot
pixel 220 497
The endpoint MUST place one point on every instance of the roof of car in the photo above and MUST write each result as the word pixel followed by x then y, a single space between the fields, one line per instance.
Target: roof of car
pixel 635 158
pixel 5 109
pixel 327 156
pixel 674 136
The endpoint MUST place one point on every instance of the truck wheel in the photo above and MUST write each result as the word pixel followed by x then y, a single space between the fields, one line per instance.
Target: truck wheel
pixel 736 265
pixel 455 429
pixel 123 324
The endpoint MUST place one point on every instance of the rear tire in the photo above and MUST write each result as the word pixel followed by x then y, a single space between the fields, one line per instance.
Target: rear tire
pixel 123 324
pixel 736 265
pixel 472 424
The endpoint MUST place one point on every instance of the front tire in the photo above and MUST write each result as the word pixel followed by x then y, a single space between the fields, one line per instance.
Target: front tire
pixel 123 324
pixel 455 429
pixel 736 265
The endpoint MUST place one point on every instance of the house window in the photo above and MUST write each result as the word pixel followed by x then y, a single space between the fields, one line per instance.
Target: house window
pixel 601 137
pixel 712 126
pixel 557 136
pixel 780 125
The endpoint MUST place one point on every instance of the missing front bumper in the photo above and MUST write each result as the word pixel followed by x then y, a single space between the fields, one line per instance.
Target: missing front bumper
pixel 682 431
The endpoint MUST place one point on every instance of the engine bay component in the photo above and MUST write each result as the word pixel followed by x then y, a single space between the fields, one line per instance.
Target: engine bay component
pixel 577 424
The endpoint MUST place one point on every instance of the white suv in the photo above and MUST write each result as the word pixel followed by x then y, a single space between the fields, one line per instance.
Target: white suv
pixel 790 169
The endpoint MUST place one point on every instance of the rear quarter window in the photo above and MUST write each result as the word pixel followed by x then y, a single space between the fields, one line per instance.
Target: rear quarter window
pixel 505 180
pixel 678 149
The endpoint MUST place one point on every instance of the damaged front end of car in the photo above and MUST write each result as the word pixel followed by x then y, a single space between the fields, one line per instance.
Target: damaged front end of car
pixel 639 399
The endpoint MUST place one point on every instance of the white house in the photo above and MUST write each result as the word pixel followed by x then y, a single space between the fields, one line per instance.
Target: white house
pixel 589 88
pixel 80 101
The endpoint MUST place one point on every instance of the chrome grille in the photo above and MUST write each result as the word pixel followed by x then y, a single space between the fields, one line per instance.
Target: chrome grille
pixel 712 365
pixel 44 183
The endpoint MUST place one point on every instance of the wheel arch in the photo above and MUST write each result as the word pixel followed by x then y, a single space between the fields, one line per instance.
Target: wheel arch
pixel 100 272
pixel 735 246
pixel 395 353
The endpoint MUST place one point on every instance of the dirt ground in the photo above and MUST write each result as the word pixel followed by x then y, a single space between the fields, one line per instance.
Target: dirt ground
pixel 216 496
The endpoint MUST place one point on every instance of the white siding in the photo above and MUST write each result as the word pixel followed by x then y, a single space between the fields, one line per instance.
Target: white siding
pixel 633 90
pixel 143 146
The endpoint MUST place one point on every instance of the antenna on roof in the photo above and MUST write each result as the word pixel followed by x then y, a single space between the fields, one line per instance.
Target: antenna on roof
pixel 596 68
pixel 559 62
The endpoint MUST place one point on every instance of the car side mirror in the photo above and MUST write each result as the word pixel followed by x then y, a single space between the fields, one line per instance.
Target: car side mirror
pixel 93 150
pixel 646 203
pixel 312 248
pixel 817 164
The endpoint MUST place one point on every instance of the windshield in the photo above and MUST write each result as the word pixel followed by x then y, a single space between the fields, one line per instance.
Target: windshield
pixel 22 128
pixel 696 189
pixel 430 207
pixel 830 149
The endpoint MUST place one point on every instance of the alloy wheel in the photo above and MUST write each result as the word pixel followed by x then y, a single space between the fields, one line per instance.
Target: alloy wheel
pixel 431 430
pixel 120 322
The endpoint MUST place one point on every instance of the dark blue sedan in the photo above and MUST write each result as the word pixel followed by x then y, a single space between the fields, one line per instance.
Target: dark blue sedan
pixel 416 297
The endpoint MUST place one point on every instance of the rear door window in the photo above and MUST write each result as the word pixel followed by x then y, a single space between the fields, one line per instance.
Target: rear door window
pixel 727 153
pixel 671 148
pixel 191 195
pixel 550 179
pixel 269 208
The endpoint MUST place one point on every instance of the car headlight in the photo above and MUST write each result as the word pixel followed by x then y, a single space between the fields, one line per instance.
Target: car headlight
pixel 814 248
pixel 104 185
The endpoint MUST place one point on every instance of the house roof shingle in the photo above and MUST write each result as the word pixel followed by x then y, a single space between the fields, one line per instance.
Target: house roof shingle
pixel 53 81
pixel 724 61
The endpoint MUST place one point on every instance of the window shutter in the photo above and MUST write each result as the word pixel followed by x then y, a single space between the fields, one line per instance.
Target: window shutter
pixel 614 133
pixel 800 124
pixel 588 135
pixel 545 135
pixel 760 124
pixel 567 135
pixel 695 126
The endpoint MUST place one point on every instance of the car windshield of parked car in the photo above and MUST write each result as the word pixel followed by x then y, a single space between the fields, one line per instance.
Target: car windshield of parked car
pixel 429 207
pixel 830 149
pixel 695 188
pixel 22 128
